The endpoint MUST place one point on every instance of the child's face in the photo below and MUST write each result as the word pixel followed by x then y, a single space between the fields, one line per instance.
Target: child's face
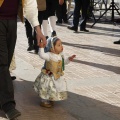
pixel 58 47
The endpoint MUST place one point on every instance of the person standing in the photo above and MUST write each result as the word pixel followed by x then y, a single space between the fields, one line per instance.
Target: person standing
pixel 61 13
pixel 49 17
pixel 82 5
pixel 8 32
pixel 30 32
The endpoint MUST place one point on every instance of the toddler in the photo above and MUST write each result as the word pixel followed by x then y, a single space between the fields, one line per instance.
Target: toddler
pixel 50 83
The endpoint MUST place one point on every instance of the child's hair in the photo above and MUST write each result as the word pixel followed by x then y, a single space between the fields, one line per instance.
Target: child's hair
pixel 51 42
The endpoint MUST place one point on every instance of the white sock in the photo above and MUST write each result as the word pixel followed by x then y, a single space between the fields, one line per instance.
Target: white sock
pixel 52 23
pixel 44 27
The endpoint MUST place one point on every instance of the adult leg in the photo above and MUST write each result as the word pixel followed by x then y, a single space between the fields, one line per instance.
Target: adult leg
pixel 59 13
pixel 45 20
pixel 64 12
pixel 29 34
pixel 7 45
pixel 52 18
pixel 76 15
pixel 85 5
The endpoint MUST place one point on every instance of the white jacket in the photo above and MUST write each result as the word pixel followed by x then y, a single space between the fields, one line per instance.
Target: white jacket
pixel 30 11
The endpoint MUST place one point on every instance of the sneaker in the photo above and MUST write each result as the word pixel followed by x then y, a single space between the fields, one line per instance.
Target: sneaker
pixel 53 34
pixel 117 42
pixel 12 114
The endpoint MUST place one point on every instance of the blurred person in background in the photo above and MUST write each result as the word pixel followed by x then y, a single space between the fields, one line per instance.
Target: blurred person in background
pixel 61 13
pixel 49 17
pixel 82 5
pixel 8 36
pixel 30 32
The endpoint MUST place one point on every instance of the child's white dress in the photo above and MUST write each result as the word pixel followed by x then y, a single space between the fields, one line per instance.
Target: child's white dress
pixel 46 85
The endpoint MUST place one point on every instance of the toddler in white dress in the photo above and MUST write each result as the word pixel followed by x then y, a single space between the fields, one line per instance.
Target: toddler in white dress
pixel 50 83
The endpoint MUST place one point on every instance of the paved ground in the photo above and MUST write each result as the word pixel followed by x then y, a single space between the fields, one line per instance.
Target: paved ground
pixel 93 78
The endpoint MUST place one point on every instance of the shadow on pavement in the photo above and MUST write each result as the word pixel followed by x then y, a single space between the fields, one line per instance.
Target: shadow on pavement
pixel 106 29
pixel 112 68
pixel 76 107
pixel 105 50
pixel 105 33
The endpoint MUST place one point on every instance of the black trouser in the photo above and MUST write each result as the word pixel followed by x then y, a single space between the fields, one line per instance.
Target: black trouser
pixel 61 12
pixel 29 32
pixel 50 8
pixel 8 34
pixel 83 6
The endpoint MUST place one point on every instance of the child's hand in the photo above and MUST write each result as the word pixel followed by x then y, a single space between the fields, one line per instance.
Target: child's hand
pixel 72 57
pixel 41 44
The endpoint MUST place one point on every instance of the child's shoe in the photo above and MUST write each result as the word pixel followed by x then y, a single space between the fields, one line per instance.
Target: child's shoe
pixel 46 104
pixel 53 34
pixel 52 103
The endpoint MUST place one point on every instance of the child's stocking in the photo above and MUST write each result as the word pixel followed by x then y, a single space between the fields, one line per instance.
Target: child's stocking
pixel 44 27
pixel 52 23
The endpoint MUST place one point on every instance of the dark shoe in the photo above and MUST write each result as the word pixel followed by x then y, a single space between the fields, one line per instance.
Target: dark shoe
pixel 85 30
pixel 31 47
pixel 13 77
pixel 117 42
pixel 36 51
pixel 72 28
pixel 65 21
pixel 58 22
pixel 47 37
pixel 52 103
pixel 12 114
pixel 46 104
pixel 53 34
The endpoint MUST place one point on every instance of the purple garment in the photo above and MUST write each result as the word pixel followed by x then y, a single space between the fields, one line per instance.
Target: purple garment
pixel 9 9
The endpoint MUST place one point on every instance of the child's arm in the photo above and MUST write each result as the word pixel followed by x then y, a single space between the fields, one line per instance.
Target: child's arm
pixel 41 53
pixel 68 59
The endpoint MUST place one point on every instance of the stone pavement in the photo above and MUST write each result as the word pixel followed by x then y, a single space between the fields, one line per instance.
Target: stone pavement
pixel 93 78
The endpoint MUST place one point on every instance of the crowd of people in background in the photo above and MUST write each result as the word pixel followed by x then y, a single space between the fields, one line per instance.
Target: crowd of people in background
pixel 53 13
